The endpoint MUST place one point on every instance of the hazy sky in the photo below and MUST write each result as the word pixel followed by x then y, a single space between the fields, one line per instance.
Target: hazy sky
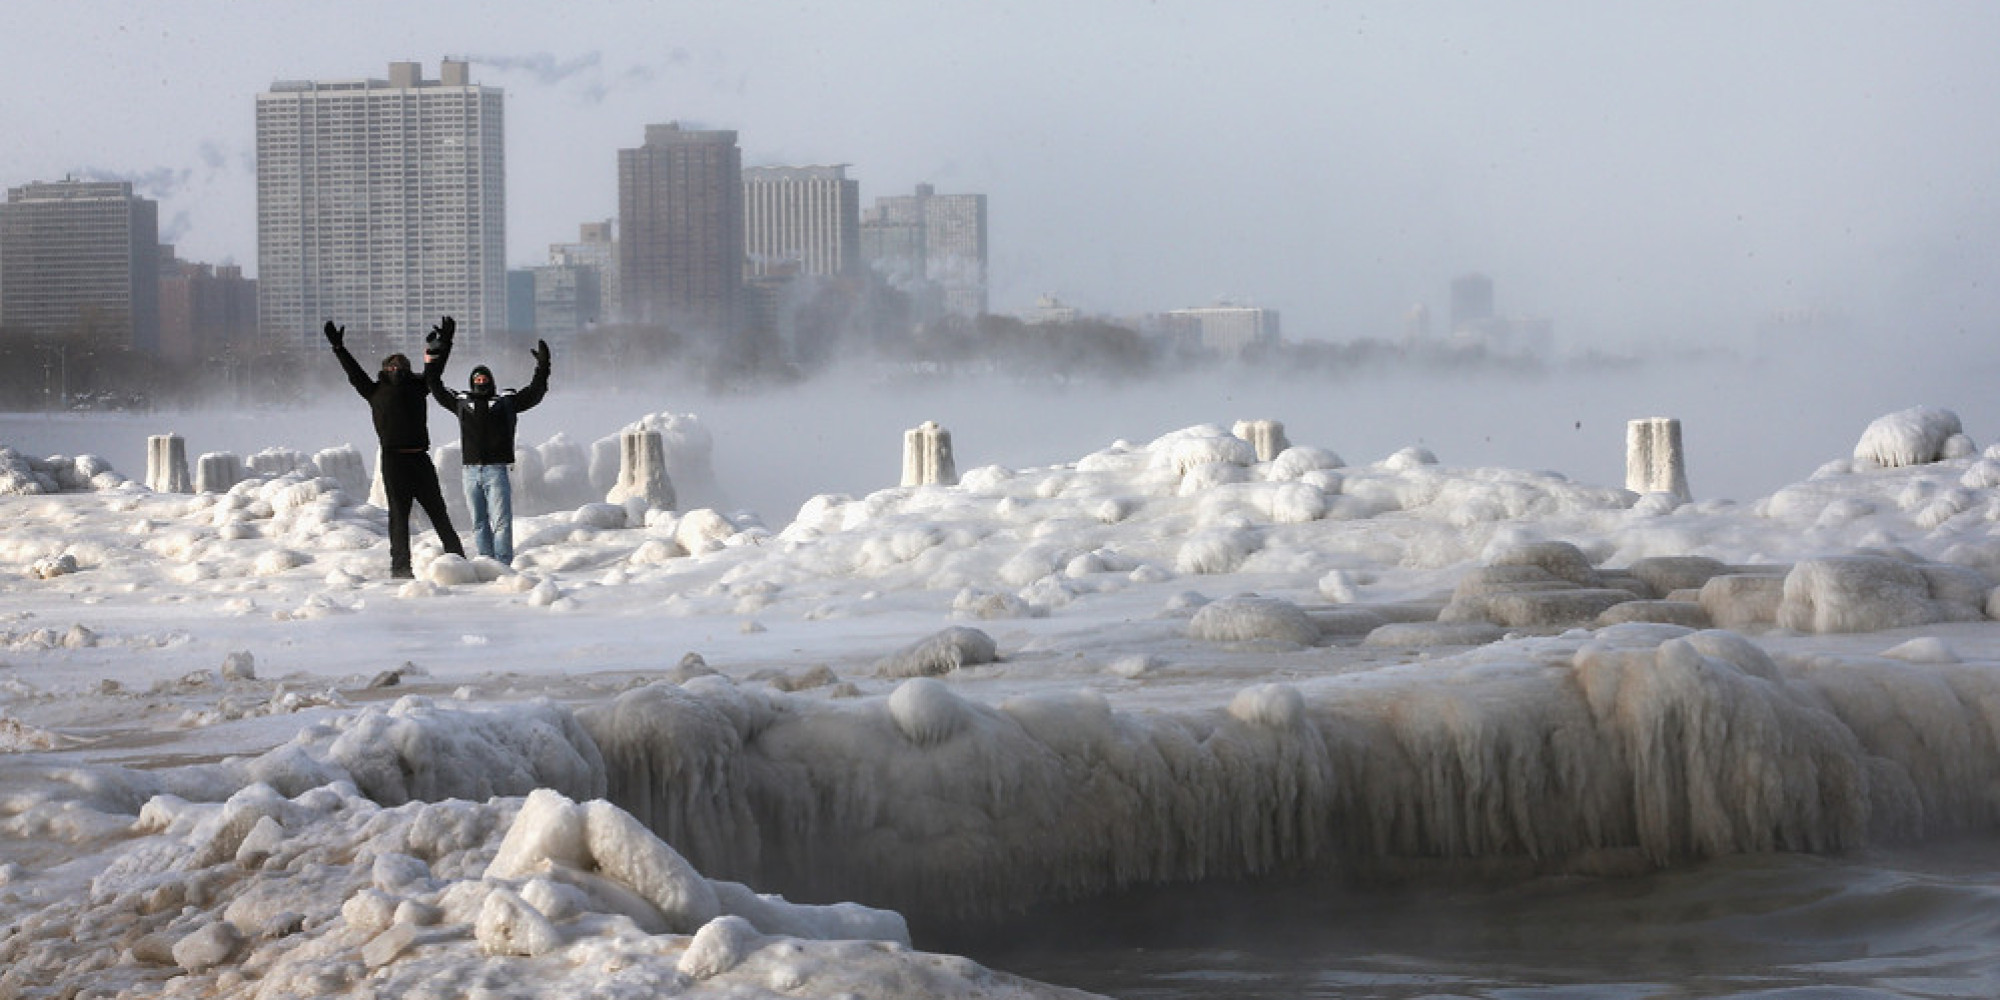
pixel 1637 172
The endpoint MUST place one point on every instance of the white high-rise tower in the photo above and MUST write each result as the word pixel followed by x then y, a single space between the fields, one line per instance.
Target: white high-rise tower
pixel 381 205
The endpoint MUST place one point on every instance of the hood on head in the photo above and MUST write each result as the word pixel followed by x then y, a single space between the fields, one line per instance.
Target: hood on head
pixel 482 387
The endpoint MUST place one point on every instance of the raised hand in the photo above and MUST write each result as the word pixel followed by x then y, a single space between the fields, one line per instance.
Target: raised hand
pixel 334 334
pixel 541 353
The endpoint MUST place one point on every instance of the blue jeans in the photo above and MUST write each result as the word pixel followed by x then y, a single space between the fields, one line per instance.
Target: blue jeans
pixel 491 497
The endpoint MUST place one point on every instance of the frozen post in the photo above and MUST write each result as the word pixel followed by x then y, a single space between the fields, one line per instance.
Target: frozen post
pixel 346 466
pixel 1653 459
pixel 217 471
pixel 167 464
pixel 1267 435
pixel 642 470
pixel 927 456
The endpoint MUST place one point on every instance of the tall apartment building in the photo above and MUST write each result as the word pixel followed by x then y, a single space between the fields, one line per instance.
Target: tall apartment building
pixel 596 247
pixel 381 205
pixel 931 238
pixel 680 231
pixel 801 220
pixel 81 260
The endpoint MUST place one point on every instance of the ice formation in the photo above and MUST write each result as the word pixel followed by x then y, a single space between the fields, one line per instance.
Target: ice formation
pixel 1654 461
pixel 927 459
pixel 1914 436
pixel 167 465
pixel 1267 436
pixel 942 653
pixel 642 470
pixel 263 895
pixel 1198 658
pixel 217 471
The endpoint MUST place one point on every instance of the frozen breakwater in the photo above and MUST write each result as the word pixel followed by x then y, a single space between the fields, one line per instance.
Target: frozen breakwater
pixel 679 751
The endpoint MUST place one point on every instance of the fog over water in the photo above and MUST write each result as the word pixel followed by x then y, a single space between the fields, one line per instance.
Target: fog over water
pixel 1749 425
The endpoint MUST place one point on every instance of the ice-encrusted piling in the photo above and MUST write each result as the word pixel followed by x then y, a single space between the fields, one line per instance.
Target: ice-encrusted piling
pixel 274 462
pixel 927 457
pixel 167 464
pixel 642 470
pixel 217 471
pixel 1654 462
pixel 345 466
pixel 1267 435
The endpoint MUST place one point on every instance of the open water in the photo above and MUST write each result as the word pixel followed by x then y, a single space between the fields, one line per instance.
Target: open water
pixel 1768 927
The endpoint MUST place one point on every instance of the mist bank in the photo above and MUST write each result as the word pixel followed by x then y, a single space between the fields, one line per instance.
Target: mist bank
pixel 1750 425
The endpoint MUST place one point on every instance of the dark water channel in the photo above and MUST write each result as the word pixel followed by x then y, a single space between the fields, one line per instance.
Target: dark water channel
pixel 1902 925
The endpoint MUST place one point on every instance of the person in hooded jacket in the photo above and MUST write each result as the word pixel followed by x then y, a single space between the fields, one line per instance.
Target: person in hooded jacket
pixel 396 398
pixel 486 419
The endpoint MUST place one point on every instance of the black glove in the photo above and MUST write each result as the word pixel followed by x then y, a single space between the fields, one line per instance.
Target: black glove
pixel 440 336
pixel 541 353
pixel 334 334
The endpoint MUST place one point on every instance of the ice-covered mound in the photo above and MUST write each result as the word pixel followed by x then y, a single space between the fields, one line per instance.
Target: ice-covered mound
pixel 1913 437
pixel 1192 503
pixel 21 475
pixel 268 896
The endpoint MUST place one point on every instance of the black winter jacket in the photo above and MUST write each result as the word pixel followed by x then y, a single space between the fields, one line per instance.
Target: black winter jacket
pixel 486 423
pixel 397 403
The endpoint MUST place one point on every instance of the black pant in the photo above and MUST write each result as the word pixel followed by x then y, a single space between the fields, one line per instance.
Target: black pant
pixel 409 476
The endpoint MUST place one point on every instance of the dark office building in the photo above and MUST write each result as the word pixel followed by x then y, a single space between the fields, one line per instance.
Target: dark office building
pixel 680 223
pixel 81 260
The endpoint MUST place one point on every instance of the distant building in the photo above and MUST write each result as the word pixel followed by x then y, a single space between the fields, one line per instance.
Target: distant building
pixel 1471 301
pixel 1226 329
pixel 381 205
pixel 521 300
pixel 1477 324
pixel 567 300
pixel 1049 309
pixel 801 220
pixel 205 309
pixel 1417 324
pixel 931 238
pixel 596 247
pixel 680 231
pixel 81 260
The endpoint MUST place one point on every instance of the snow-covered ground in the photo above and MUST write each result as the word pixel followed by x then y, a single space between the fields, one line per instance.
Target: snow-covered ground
pixel 687 752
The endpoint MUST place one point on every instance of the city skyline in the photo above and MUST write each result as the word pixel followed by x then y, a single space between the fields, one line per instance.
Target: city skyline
pixel 1647 176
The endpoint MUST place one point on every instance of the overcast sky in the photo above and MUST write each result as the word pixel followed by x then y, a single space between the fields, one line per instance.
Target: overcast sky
pixel 1636 172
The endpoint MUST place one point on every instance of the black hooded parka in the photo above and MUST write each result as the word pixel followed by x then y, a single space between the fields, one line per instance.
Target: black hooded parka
pixel 486 420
